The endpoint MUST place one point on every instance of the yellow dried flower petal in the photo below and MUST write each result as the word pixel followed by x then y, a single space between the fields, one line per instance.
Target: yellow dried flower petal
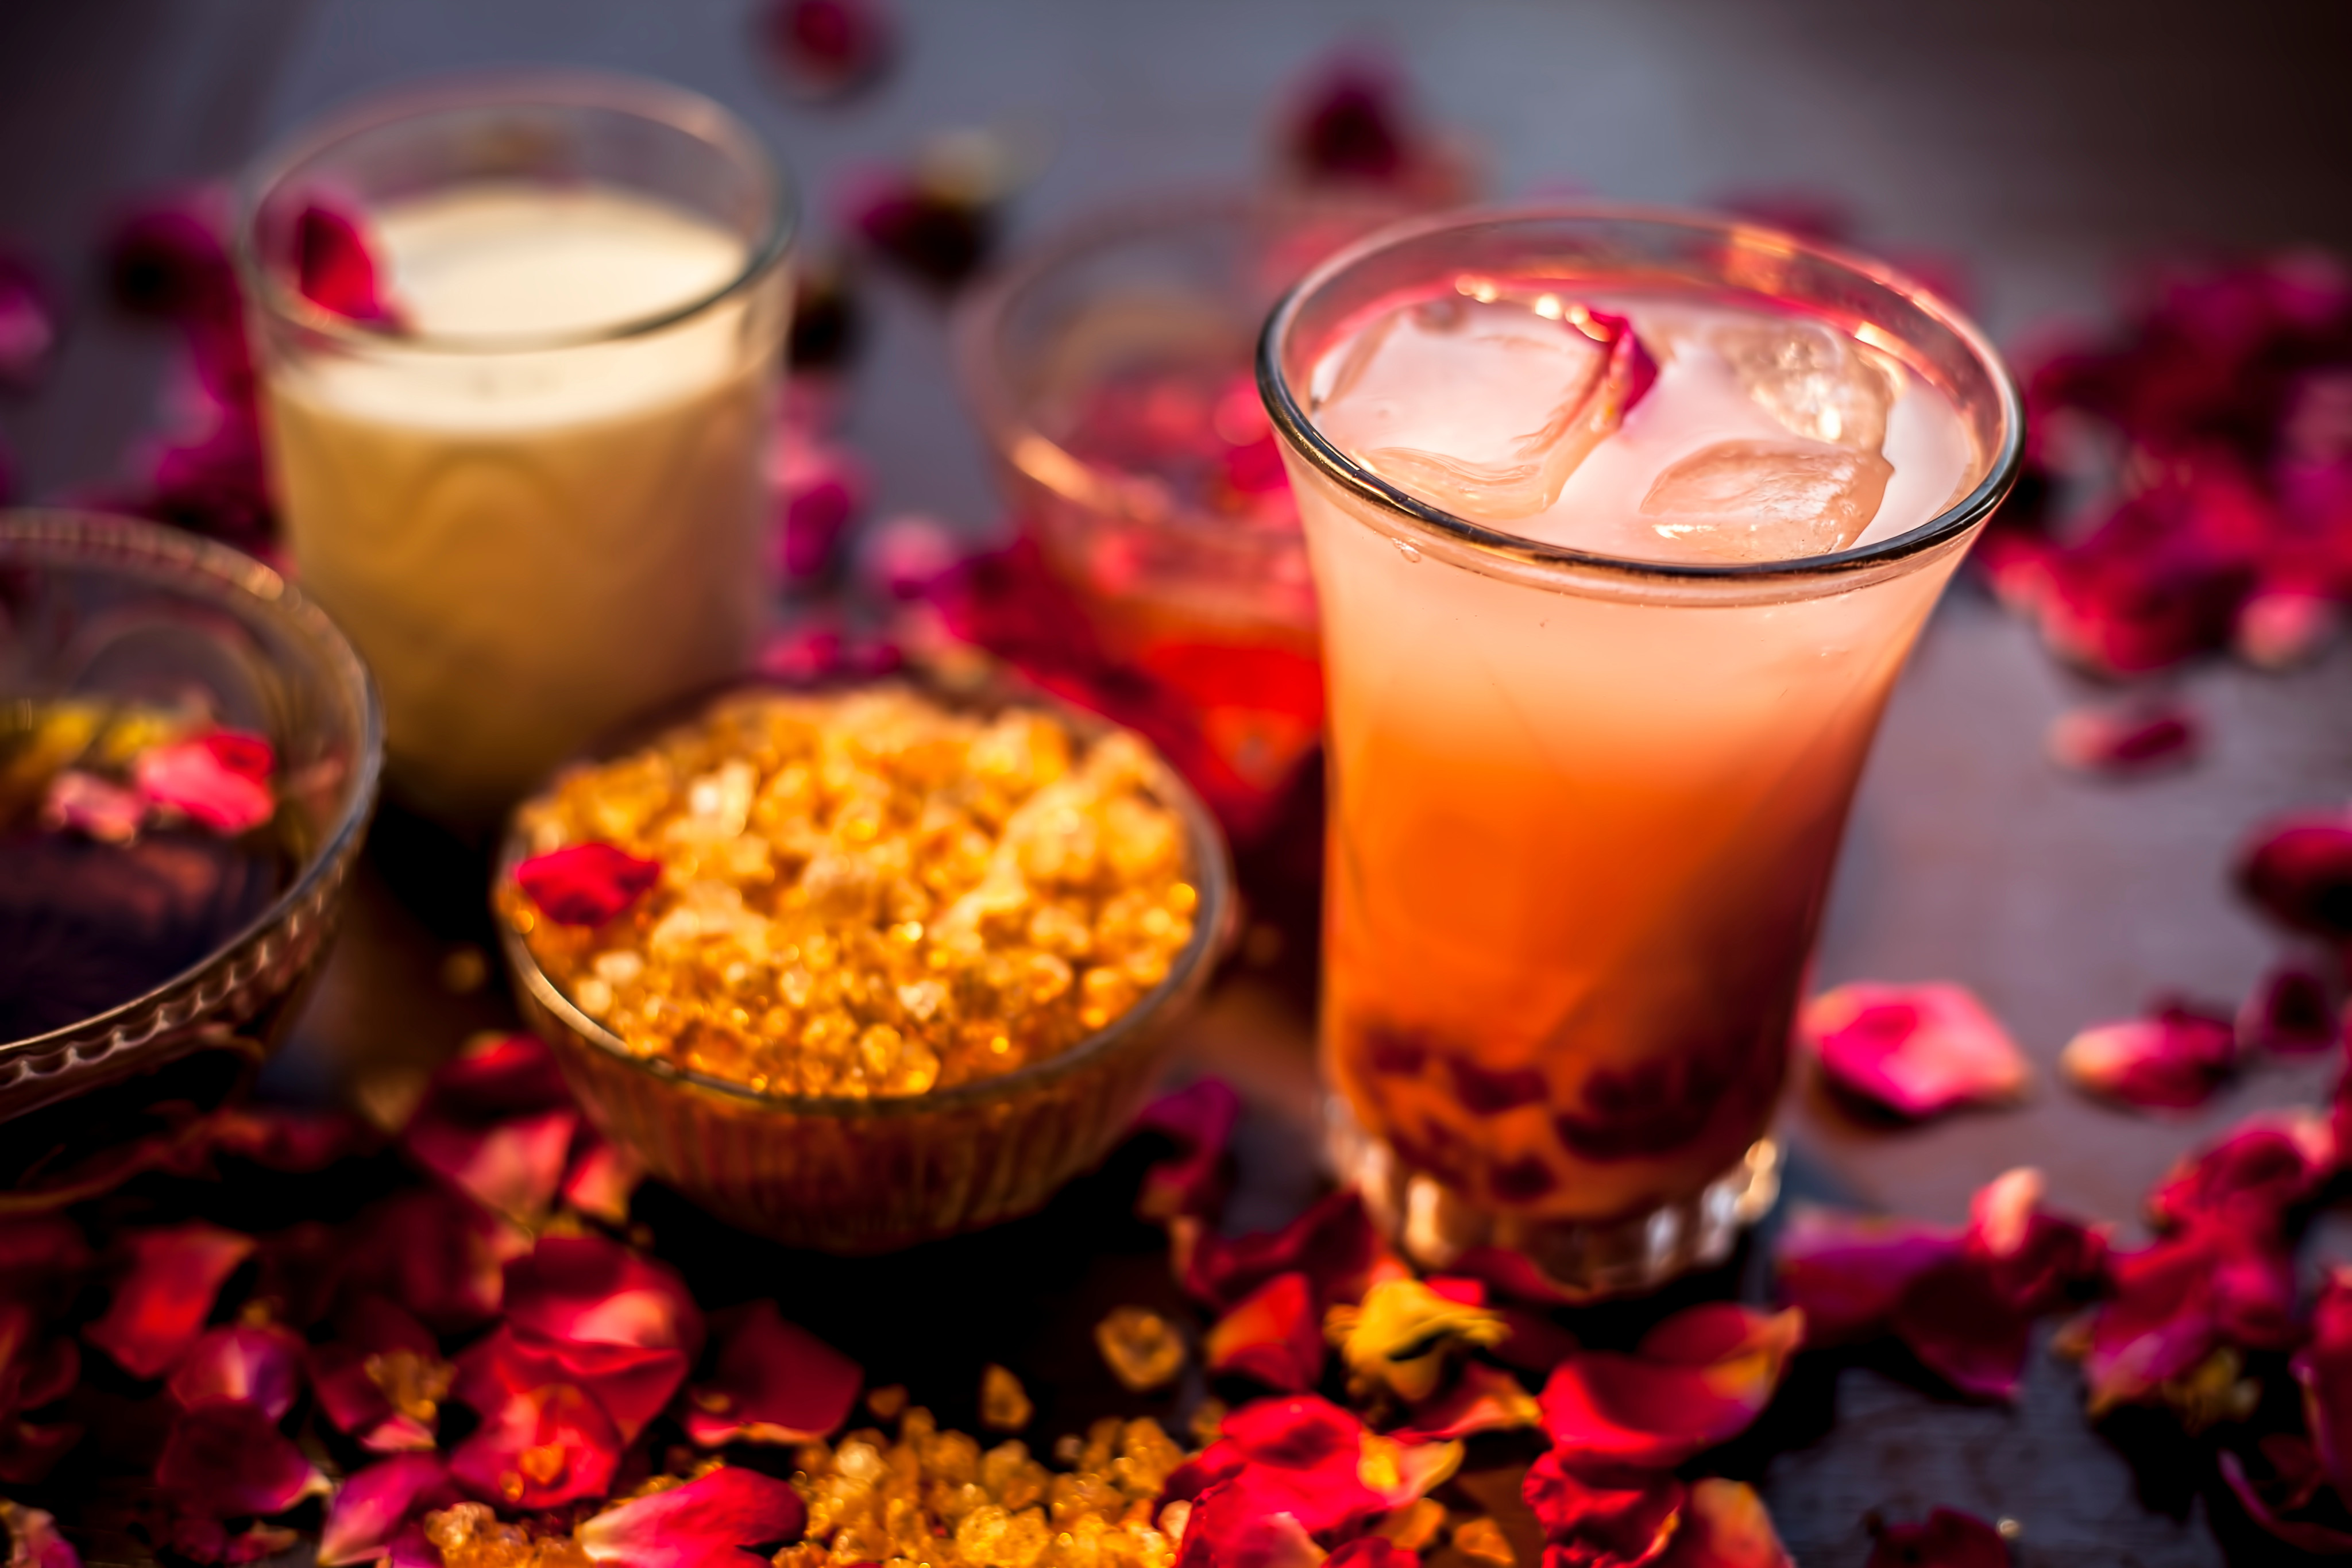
pixel 1399 1336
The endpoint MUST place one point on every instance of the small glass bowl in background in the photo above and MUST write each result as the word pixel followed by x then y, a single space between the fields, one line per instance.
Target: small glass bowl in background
pixel 1174 531
pixel 866 1175
pixel 95 605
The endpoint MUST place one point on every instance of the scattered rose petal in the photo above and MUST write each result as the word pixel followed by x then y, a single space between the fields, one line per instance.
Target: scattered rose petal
pixel 1334 1244
pixel 2294 1476
pixel 1197 1120
pixel 629 1383
pixel 902 558
pixel 2324 1368
pixel 1371 1552
pixel 85 804
pixel 538 1449
pixel 436 1253
pixel 2298 871
pixel 1401 1335
pixel 225 1458
pixel 772 1382
pixel 585 884
pixel 2285 628
pixel 1594 1524
pixel 1947 1538
pixel 828 49
pixel 334 268
pixel 498 1122
pixel 2173 1060
pixel 382 1379
pixel 1297 1455
pixel 2249 1179
pixel 2290 1012
pixel 588 1289
pixel 166 1292
pixel 601 1177
pixel 1698 1379
pixel 705 1524
pixel 1847 1271
pixel 2126 742
pixel 295 1139
pixel 1272 1335
pixel 1915 1050
pixel 371 1507
pixel 258 1363
pixel 1230 1523
pixel 1482 1399
pixel 2172 1303
pixel 33 1539
pixel 1960 1326
pixel 2032 1259
pixel 1724 1525
pixel 939 235
pixel 28 325
pixel 208 780
pixel 169 260
pixel 821 489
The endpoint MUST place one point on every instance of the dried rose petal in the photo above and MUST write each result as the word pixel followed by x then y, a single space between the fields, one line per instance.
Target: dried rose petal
pixel 2135 739
pixel 382 1379
pixel 2323 1367
pixel 1371 1552
pixel 1198 1119
pixel 371 1507
pixel 829 47
pixel 1482 1399
pixel 2298 871
pixel 33 1539
pixel 2280 628
pixel 514 1167
pixel 1230 1523
pixel 2032 1259
pixel 772 1382
pixel 1334 1244
pixel 1965 1330
pixel 2290 1012
pixel 83 803
pixel 28 324
pixel 585 884
pixel 2249 1179
pixel 159 1306
pixel 29 1452
pixel 1401 1335
pixel 540 1448
pixel 1917 1050
pixel 941 235
pixel 1696 1380
pixel 1847 1271
pixel 1947 1538
pixel 333 269
pixel 170 259
pixel 2174 1302
pixel 295 1139
pixel 1274 1335
pixel 226 1458
pixel 1724 1525
pixel 258 1363
pixel 438 1252
pixel 629 1383
pixel 1603 1525
pixel 2265 1504
pixel 208 780
pixel 588 1289
pixel 601 1177
pixel 2173 1060
pixel 1297 1455
pixel 705 1524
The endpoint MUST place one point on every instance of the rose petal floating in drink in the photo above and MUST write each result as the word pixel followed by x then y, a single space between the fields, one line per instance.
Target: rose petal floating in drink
pixel 2118 742
pixel 1273 1335
pixel 83 803
pixel 373 1505
pixel 774 1383
pixel 166 1292
pixel 1401 1335
pixel 334 268
pixel 2298 871
pixel 1915 1050
pixel 585 884
pixel 2290 1012
pixel 829 48
pixel 1198 1119
pixel 1142 1348
pixel 2173 1060
pixel 226 1458
pixel 220 780
pixel 1766 501
pixel 1947 1538
pixel 1696 1380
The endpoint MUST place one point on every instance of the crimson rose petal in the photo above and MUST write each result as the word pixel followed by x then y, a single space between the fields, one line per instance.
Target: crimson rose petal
pixel 539 1449
pixel 1274 1335
pixel 1947 1538
pixel 226 1458
pixel 1371 1552
pixel 1198 1119
pixel 2124 742
pixel 587 1288
pixel 2249 1179
pixel 2307 1535
pixel 1698 1379
pixel 829 47
pixel 1848 1271
pixel 161 1304
pixel 438 1252
pixel 1915 1050
pixel 2174 1302
pixel 1482 1399
pixel 1594 1524
pixel 601 1177
pixel 585 884
pixel 2290 1012
pixel 370 1508
pixel 2171 1061
pixel 258 1363
pixel 1231 1524
pixel 2298 871
pixel 2030 1259
pixel 774 1382
pixel 1724 1525
pixel 705 1524
pixel 1334 1244
pixel 28 324
pixel 630 1384
pixel 1965 1330
pixel 375 1339
pixel 2323 1367
pixel 498 1121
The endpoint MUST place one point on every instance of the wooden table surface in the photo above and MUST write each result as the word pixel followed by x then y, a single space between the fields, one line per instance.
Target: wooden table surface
pixel 2042 148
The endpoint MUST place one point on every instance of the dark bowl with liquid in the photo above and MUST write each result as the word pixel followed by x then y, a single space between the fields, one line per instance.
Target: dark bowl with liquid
pixel 143 983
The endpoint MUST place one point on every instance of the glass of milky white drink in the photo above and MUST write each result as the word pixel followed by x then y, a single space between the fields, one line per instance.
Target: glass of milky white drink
pixel 1623 525
pixel 530 485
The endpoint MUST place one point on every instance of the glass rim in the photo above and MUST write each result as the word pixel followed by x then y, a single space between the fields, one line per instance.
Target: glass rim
pixel 1299 432
pixel 662 104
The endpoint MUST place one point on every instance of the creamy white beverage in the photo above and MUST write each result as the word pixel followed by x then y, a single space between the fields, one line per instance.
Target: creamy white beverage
pixel 535 513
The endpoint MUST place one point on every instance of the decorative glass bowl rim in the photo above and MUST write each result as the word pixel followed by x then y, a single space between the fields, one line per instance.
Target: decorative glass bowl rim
pixel 1209 872
pixel 62 537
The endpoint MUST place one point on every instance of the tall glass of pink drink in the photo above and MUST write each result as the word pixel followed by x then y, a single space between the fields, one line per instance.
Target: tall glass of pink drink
pixel 1623 525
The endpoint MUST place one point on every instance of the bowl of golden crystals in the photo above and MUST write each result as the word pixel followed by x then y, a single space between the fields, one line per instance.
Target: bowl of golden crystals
pixel 854 968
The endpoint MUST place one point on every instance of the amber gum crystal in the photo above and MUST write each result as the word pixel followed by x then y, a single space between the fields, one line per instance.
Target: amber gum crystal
pixel 866 894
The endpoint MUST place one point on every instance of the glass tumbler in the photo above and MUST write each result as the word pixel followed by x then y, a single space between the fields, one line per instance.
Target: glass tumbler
pixel 1585 809
pixel 530 486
